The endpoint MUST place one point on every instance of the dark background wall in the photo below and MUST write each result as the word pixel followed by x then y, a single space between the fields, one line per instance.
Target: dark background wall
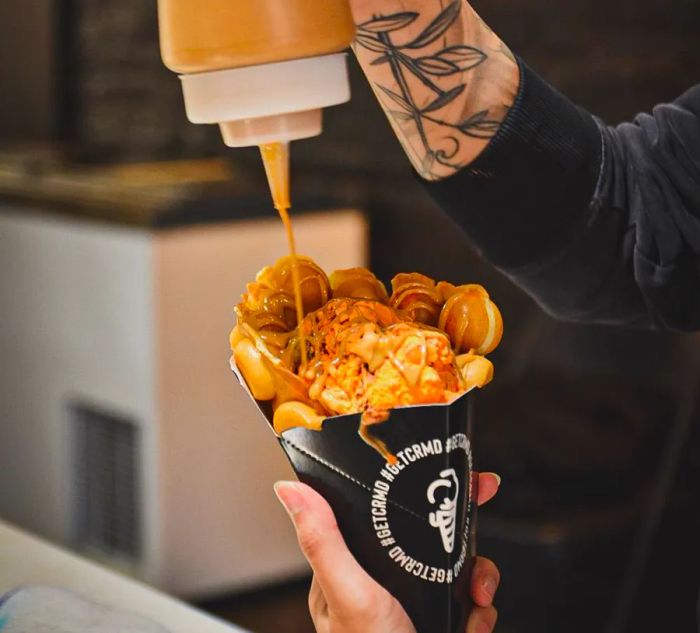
pixel 26 50
pixel 613 57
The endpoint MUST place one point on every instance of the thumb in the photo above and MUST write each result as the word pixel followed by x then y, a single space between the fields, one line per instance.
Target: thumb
pixel 343 582
pixel 489 483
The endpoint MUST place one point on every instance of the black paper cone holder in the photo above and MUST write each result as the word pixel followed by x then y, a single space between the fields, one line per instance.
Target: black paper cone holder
pixel 412 525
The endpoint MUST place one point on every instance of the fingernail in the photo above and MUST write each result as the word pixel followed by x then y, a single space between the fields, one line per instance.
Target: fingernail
pixel 290 497
pixel 497 476
pixel 489 585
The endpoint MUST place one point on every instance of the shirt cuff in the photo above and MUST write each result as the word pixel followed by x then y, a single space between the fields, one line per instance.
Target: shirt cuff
pixel 529 190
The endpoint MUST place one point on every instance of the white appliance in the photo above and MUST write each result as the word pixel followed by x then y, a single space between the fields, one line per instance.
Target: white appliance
pixel 123 433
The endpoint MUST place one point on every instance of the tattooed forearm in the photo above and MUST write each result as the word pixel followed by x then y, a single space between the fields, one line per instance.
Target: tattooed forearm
pixel 443 77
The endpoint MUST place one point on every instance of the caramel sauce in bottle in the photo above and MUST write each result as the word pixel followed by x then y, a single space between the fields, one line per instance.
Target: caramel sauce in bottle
pixel 204 35
pixel 275 157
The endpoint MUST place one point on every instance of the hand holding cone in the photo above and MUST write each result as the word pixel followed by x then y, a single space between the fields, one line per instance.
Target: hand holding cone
pixel 343 597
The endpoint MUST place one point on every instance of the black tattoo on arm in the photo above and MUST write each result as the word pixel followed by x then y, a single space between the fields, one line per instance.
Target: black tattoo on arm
pixel 411 65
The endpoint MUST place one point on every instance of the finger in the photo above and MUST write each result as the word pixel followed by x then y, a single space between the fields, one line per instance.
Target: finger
pixel 317 601
pixel 318 607
pixel 482 620
pixel 488 487
pixel 485 581
pixel 343 582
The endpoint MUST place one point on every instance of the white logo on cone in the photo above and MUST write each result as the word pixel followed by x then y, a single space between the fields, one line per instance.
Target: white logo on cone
pixel 445 517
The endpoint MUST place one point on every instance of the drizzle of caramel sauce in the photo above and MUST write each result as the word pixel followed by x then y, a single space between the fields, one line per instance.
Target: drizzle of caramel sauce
pixel 366 328
pixel 389 334
pixel 375 333
pixel 363 351
pixel 275 157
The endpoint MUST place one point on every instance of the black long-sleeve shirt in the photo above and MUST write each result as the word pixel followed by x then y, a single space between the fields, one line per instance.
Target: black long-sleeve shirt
pixel 598 223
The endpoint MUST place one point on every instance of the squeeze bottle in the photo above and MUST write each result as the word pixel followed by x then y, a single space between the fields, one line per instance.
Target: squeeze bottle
pixel 263 70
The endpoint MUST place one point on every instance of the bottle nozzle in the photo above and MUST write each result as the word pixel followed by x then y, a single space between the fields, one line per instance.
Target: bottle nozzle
pixel 270 129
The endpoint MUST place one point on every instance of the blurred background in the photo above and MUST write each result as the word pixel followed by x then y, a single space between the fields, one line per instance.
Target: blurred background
pixel 126 236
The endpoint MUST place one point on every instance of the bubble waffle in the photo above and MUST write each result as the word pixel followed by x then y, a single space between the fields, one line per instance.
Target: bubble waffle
pixel 365 351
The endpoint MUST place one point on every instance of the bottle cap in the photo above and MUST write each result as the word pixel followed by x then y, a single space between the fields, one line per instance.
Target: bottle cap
pixel 266 103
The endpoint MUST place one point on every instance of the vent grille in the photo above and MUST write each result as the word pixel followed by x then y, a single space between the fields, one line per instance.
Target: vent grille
pixel 106 484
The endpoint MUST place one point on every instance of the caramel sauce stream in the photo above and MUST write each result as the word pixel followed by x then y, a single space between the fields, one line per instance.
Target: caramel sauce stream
pixel 275 157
